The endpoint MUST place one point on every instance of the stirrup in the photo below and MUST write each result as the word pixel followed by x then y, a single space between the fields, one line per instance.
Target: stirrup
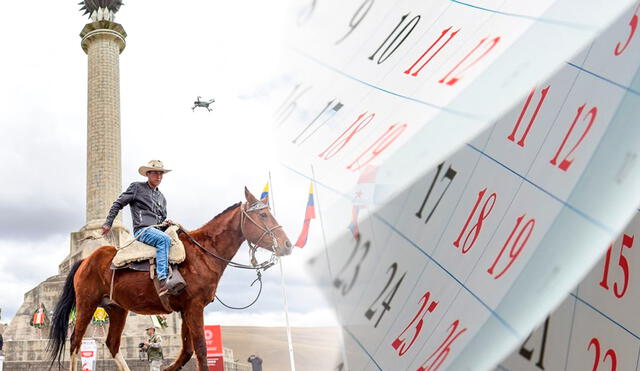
pixel 163 294
pixel 107 301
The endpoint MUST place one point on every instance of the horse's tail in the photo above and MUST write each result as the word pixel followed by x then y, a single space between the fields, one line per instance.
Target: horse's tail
pixel 60 320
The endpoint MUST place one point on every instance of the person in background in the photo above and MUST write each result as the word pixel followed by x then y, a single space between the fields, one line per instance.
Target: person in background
pixel 256 362
pixel 153 346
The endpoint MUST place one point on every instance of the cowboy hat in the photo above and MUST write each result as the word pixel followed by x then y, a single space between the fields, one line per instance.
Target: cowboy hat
pixel 153 165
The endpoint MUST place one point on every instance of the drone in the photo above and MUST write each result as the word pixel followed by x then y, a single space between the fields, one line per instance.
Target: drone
pixel 202 103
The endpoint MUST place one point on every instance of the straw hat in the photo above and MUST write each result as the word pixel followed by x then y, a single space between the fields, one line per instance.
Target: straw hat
pixel 153 165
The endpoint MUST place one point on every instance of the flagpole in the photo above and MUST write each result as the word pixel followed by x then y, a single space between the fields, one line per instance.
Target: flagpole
pixel 343 351
pixel 284 288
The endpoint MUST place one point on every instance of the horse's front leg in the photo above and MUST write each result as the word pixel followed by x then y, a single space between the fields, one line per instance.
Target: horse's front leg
pixel 187 349
pixel 195 322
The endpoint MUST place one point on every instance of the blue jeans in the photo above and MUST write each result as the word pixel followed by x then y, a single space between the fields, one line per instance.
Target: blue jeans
pixel 162 243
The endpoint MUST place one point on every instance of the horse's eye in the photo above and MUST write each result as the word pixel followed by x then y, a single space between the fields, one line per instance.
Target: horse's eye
pixel 264 215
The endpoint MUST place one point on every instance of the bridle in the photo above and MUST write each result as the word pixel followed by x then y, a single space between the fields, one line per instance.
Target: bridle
pixel 266 231
pixel 253 246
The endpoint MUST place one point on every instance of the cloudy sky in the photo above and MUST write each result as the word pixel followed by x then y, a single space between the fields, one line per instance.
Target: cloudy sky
pixel 175 52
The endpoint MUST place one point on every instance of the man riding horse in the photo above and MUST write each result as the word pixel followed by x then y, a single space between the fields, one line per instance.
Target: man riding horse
pixel 209 250
pixel 148 211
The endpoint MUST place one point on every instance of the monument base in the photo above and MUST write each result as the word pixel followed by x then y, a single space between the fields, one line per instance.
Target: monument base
pixel 84 242
pixel 24 344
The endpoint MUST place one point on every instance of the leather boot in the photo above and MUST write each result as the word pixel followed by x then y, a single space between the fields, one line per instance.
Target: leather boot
pixel 162 288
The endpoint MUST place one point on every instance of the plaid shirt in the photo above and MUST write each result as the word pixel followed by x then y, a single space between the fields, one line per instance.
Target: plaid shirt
pixel 148 206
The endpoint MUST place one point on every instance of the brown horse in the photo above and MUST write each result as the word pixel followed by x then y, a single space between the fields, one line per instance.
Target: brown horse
pixel 89 281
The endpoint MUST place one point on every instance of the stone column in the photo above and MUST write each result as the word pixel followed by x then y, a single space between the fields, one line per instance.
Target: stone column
pixel 103 42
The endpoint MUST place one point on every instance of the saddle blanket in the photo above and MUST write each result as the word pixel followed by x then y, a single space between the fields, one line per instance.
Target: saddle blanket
pixel 135 250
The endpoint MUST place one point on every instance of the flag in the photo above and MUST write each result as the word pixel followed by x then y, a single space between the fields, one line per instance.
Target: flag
pixel 308 215
pixel 265 191
pixel 363 197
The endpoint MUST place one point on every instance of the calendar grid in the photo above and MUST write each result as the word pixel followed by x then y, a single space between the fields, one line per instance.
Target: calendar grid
pixel 589 305
pixel 589 218
pixel 378 88
pixel 412 243
pixel 621 86
pixel 531 18
pixel 493 312
pixel 440 107
pixel 362 347
pixel 475 167
pixel 578 210
pixel 584 215
pixel 573 320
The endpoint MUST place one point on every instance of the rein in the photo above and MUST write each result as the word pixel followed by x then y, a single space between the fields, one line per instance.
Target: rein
pixel 253 247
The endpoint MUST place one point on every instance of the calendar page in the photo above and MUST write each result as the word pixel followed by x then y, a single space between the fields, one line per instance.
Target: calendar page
pixel 467 163
pixel 596 326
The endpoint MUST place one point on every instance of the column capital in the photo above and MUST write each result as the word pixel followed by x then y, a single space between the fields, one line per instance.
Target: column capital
pixel 103 29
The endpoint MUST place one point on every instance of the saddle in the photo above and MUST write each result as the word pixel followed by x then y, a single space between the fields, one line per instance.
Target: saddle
pixel 139 256
pixel 136 251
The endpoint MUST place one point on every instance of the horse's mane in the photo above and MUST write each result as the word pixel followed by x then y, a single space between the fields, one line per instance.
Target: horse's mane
pixel 227 209
pixel 212 233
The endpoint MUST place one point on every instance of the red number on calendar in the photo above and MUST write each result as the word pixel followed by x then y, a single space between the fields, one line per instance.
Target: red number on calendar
pixel 627 242
pixel 566 161
pixel 442 35
pixel 475 230
pixel 360 123
pixel 463 68
pixel 516 246
pixel 399 343
pixel 512 136
pixel 375 149
pixel 441 353
pixel 633 24
pixel 610 354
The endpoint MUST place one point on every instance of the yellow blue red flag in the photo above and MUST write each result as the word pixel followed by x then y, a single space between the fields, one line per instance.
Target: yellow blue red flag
pixel 308 215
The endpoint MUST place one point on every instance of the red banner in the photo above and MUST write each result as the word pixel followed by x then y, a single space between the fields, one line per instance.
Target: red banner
pixel 213 338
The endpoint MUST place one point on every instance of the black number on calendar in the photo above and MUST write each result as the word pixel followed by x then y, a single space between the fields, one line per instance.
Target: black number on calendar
pixel 341 284
pixel 448 177
pixel 328 111
pixel 527 353
pixel 394 44
pixel 386 303
pixel 357 17
pixel 290 104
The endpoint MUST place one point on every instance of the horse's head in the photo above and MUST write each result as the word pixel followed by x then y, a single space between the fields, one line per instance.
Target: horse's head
pixel 261 228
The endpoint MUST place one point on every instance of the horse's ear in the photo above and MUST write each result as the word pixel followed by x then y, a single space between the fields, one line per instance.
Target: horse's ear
pixel 250 198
